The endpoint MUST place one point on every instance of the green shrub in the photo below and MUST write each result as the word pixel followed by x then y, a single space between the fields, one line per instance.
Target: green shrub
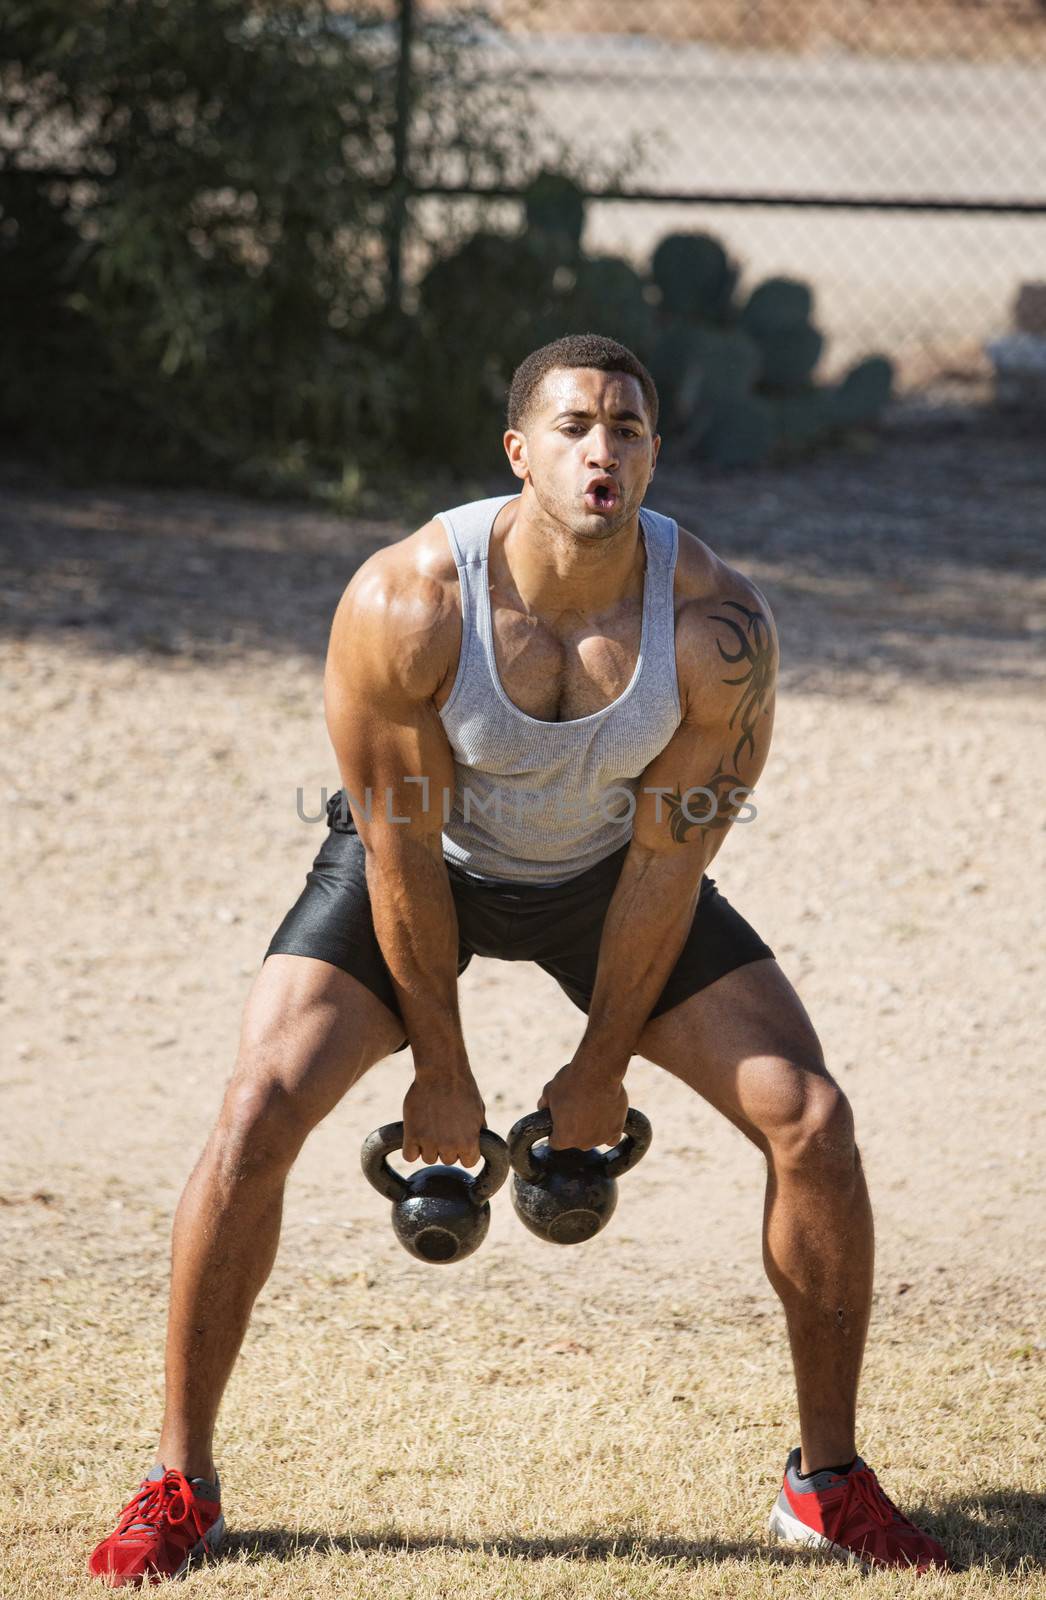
pixel 196 285
pixel 194 288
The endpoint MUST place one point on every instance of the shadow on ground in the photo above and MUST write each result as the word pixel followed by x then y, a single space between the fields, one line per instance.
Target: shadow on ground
pixel 1005 1530
pixel 280 1544
pixel 921 559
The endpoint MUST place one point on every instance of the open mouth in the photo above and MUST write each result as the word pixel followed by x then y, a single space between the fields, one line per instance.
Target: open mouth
pixel 602 495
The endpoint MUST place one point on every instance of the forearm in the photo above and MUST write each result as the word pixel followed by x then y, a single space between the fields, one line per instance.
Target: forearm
pixel 416 924
pixel 646 926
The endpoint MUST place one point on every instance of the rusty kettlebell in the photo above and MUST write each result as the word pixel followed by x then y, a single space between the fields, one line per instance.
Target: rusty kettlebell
pixel 439 1213
pixel 568 1196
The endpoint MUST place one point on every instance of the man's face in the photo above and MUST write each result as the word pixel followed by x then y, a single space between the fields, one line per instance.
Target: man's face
pixel 586 449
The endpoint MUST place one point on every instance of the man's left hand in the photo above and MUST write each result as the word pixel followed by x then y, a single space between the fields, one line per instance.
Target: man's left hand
pixel 588 1107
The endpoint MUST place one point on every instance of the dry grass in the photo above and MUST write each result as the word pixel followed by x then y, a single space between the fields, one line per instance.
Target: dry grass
pixel 393 1433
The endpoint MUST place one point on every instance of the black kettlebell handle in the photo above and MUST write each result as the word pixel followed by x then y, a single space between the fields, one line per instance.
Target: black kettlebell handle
pixel 538 1125
pixel 394 1186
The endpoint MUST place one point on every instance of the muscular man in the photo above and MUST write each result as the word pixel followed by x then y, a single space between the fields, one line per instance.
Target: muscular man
pixel 547 710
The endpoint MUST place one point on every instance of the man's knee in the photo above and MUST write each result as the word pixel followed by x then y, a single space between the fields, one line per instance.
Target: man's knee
pixel 815 1133
pixel 263 1124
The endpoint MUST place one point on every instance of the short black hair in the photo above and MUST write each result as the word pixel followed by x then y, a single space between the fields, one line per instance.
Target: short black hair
pixel 577 350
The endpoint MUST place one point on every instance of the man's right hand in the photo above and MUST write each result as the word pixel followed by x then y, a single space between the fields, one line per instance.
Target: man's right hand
pixel 442 1119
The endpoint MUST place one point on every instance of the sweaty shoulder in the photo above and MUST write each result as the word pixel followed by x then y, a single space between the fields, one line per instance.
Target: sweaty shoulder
pixel 724 627
pixel 398 623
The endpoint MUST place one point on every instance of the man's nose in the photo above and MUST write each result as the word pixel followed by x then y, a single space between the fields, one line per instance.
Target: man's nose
pixel 601 452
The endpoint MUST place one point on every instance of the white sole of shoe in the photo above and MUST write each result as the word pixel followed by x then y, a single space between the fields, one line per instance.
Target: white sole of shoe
pixel 788 1530
pixel 204 1547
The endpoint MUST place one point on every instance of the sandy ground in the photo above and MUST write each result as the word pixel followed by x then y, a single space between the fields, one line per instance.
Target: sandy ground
pixel 162 677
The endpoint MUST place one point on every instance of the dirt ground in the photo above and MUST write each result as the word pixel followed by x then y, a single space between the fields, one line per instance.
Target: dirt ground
pixel 612 1420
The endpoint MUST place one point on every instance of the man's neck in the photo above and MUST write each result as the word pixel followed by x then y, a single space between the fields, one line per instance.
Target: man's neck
pixel 555 571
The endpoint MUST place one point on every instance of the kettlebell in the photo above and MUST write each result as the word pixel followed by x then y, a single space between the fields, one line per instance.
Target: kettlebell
pixel 439 1213
pixel 568 1196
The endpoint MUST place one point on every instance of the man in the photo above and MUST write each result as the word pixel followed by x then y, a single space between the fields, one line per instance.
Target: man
pixel 547 710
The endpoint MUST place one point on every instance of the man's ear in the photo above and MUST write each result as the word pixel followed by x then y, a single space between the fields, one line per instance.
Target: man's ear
pixel 657 449
pixel 516 449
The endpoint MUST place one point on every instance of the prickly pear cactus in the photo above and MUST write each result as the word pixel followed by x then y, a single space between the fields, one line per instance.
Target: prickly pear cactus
pixel 801 419
pixel 859 400
pixel 790 355
pixel 609 293
pixel 742 433
pixel 673 366
pixel 695 276
pixel 730 363
pixel 698 370
pixel 555 214
pixel 604 294
pixel 776 305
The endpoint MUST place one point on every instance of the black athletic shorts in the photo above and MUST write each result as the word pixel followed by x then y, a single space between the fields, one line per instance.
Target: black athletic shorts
pixel 558 927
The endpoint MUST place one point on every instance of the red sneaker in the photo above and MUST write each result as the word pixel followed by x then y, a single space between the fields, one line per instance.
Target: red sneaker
pixel 849 1516
pixel 167 1525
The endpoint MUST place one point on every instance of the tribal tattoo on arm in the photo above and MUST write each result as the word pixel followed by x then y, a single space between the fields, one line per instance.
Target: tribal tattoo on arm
pixel 703 779
pixel 716 803
pixel 711 805
pixel 751 633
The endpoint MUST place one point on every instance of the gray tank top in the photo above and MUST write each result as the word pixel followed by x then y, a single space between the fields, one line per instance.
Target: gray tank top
pixel 536 801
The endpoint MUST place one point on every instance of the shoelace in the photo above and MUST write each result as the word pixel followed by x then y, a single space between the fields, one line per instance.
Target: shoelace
pixel 862 1486
pixel 171 1496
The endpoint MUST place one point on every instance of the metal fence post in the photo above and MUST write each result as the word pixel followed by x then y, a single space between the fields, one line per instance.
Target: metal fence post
pixel 400 152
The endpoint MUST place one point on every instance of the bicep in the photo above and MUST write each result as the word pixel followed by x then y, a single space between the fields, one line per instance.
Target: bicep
pixel 691 793
pixel 393 753
pixel 695 788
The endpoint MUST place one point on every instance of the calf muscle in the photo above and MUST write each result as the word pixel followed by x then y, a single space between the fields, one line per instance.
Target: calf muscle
pixel 310 1031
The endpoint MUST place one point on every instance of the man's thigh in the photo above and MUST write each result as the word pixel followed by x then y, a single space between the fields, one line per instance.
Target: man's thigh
pixel 746 1044
pixel 309 1032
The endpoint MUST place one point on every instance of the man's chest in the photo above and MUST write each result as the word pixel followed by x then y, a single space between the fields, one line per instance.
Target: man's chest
pixel 564 676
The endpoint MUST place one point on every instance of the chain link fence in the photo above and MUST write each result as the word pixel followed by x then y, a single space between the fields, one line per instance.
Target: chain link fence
pixel 892 153
pixel 270 237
